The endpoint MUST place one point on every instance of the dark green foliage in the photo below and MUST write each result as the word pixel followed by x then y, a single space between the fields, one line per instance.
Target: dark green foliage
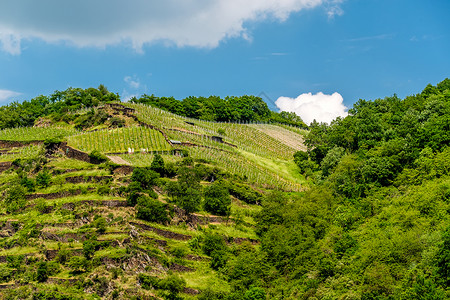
pixel 187 190
pixel 151 210
pixel 145 177
pixel 213 242
pixel 78 264
pixel 42 272
pixel 5 273
pixel 28 183
pixel 43 178
pixel 190 200
pixel 245 108
pixel 15 198
pixel 219 259
pixel 244 193
pixel 255 293
pixel 443 258
pixel 148 282
pixel 56 105
pixel 217 199
pixel 100 224
pixel 158 165
pixel 97 157
pixel 173 284
pixel 89 248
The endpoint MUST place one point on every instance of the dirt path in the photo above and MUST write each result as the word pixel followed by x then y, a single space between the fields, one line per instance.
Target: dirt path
pixel 118 160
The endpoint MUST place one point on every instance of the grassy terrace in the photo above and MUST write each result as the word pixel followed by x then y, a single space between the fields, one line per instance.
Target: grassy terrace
pixel 26 134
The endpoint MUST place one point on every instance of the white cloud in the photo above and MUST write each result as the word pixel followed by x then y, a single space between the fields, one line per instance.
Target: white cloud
pixel 198 23
pixel 321 107
pixel 7 95
pixel 133 82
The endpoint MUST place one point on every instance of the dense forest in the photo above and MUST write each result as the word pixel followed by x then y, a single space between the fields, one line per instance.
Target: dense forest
pixel 371 220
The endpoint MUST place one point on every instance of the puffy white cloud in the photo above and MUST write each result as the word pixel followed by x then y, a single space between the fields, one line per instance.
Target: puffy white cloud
pixel 199 23
pixel 321 107
pixel 7 95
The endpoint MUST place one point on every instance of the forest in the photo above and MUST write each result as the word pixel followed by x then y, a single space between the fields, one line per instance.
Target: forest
pixel 359 210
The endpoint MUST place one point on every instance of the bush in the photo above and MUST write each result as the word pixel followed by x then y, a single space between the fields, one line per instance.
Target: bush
pixel 217 199
pixel 151 210
pixel 29 184
pixel 213 242
pixel 43 178
pixel 78 264
pixel 42 272
pixel 158 165
pixel 97 157
pixel 15 199
pixel 145 177
pixel 148 282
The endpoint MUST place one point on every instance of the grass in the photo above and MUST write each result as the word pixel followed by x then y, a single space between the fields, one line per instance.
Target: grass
pixel 27 134
pixel 286 169
pixel 204 277
pixel 68 163
pixel 19 251
pixel 30 151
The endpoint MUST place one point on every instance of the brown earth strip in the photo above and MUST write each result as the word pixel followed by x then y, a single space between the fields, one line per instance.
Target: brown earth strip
pixel 164 233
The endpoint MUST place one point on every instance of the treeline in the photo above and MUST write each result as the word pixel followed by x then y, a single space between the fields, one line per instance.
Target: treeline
pixel 56 105
pixel 231 109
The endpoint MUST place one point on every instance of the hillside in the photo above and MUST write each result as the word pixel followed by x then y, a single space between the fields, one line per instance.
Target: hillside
pixel 87 213
pixel 118 200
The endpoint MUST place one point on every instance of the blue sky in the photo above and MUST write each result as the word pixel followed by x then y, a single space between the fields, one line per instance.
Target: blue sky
pixel 337 50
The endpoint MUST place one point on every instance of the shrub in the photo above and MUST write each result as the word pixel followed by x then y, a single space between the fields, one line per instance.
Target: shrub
pixel 151 210
pixel 28 183
pixel 158 165
pixel 15 199
pixel 146 177
pixel 97 157
pixel 217 199
pixel 213 242
pixel 78 264
pixel 42 272
pixel 43 178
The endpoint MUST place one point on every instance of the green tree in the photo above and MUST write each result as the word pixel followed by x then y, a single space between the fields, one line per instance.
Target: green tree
pixel 158 165
pixel 151 210
pixel 217 199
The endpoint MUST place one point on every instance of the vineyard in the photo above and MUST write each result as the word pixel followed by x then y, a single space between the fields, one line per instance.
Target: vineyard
pixel 30 151
pixel 139 139
pixel 256 141
pixel 26 134
pixel 262 142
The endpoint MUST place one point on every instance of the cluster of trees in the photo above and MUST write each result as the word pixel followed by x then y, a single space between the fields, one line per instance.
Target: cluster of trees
pixel 56 105
pixel 186 191
pixel 375 223
pixel 231 109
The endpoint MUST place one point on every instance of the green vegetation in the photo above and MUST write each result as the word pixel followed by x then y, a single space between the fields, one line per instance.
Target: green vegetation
pixel 120 140
pixel 355 209
pixel 27 134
